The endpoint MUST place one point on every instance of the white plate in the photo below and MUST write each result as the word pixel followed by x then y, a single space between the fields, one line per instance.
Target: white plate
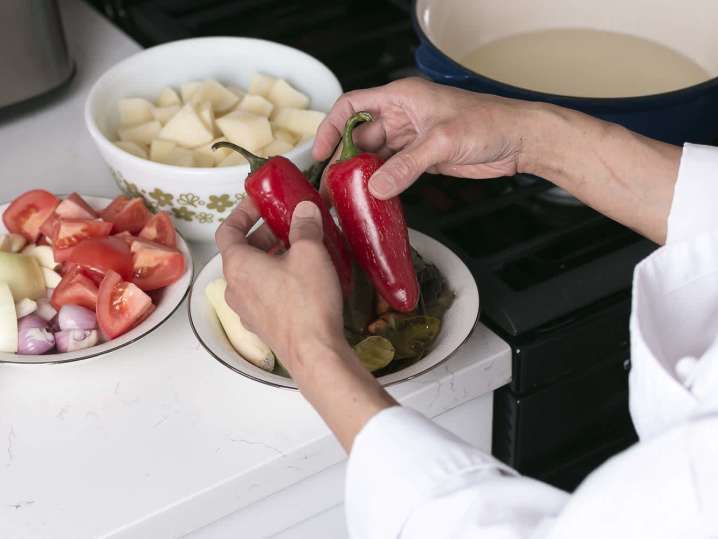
pixel 170 298
pixel 457 324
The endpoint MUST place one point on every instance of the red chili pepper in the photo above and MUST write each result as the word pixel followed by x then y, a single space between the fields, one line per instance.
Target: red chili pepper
pixel 375 229
pixel 276 186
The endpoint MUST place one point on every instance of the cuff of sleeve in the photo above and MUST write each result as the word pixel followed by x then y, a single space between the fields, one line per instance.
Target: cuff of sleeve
pixel 398 461
pixel 695 193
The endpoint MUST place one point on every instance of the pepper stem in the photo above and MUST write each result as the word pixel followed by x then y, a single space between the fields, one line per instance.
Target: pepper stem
pixel 349 150
pixel 255 162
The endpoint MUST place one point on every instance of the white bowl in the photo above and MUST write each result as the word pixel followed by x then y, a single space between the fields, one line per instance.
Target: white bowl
pixel 169 298
pixel 199 198
pixel 457 325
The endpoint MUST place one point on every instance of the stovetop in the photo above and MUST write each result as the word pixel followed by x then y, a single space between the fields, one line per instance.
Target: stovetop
pixel 539 261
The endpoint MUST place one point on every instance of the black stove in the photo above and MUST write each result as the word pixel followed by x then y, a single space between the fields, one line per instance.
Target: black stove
pixel 554 276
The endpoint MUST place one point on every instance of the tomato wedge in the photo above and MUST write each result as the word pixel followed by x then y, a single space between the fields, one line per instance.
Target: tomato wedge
pixel 75 207
pixel 120 305
pixel 75 288
pixel 125 236
pixel 160 229
pixel 125 214
pixel 28 212
pixel 155 266
pixel 94 275
pixel 69 232
pixel 100 255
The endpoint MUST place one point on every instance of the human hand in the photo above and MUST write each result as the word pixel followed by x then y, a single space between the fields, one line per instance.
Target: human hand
pixel 428 127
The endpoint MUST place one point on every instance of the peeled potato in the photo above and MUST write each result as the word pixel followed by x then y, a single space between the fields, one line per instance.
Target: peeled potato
pixel 181 157
pixel 216 155
pixel 261 84
pixel 236 90
pixel 140 134
pixel 188 89
pixel 220 97
pixel 132 147
pixel 256 104
pixel 246 129
pixel 134 111
pixel 165 114
pixel 206 114
pixel 283 94
pixel 202 159
pixel 283 134
pixel 186 128
pixel 276 147
pixel 160 150
pixel 232 159
pixel 167 98
pixel 298 121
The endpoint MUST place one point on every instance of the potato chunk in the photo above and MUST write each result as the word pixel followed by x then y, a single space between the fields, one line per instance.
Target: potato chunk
pixel 165 114
pixel 167 98
pixel 216 155
pixel 246 129
pixel 300 122
pixel 132 147
pixel 261 84
pixel 220 97
pixel 160 150
pixel 206 113
pixel 283 94
pixel 232 159
pixel 188 89
pixel 276 147
pixel 140 134
pixel 186 128
pixel 134 111
pixel 283 134
pixel 202 159
pixel 256 104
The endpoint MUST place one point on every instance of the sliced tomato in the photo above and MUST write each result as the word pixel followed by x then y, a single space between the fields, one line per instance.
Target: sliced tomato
pixel 154 265
pixel 100 255
pixel 28 212
pixel 94 275
pixel 125 214
pixel 48 225
pixel 75 207
pixel 160 229
pixel 75 288
pixel 69 232
pixel 120 305
pixel 125 236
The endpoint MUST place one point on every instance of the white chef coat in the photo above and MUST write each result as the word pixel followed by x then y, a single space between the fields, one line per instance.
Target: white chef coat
pixel 409 478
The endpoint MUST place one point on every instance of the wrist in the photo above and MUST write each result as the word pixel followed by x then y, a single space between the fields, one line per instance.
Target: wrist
pixel 542 129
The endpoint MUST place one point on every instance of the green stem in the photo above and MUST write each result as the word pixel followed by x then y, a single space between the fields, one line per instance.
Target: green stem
pixel 255 162
pixel 349 150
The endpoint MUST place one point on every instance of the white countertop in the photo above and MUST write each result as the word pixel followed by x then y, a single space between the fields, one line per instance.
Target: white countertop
pixel 156 439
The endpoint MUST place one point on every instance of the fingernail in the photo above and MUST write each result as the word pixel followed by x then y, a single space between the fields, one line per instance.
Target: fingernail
pixel 382 185
pixel 306 210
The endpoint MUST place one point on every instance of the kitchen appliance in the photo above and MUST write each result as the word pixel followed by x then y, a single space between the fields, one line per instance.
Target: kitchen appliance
pixel 554 278
pixel 450 29
pixel 33 54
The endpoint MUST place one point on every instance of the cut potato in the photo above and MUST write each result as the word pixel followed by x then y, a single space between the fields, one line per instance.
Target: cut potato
pixel 202 159
pixel 43 253
pixel 298 121
pixel 25 307
pixel 12 243
pixel 167 98
pixel 261 84
pixel 246 129
pixel 52 278
pixel 23 275
pixel 283 134
pixel 220 97
pixel 276 147
pixel 133 148
pixel 246 343
pixel 186 128
pixel 256 104
pixel 134 111
pixel 217 155
pixel 8 320
pixel 160 150
pixel 206 114
pixel 233 159
pixel 284 95
pixel 165 114
pixel 181 157
pixel 188 89
pixel 236 90
pixel 140 134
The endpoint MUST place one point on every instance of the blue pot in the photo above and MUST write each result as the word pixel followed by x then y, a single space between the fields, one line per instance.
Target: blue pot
pixel 686 115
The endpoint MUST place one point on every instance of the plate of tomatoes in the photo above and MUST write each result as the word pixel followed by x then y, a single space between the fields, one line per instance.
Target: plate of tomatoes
pixel 81 276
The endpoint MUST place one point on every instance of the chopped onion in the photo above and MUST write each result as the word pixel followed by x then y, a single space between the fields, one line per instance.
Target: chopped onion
pixel 31 321
pixel 71 340
pixel 76 317
pixel 34 340
pixel 24 307
pixel 45 309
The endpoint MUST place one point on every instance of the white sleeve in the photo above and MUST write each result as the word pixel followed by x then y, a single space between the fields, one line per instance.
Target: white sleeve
pixel 693 209
pixel 408 477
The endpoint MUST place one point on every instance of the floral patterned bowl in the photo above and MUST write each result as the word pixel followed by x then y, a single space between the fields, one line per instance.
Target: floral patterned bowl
pixel 198 198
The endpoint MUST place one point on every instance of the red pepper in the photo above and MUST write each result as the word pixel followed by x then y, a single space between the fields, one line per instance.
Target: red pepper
pixel 375 229
pixel 276 186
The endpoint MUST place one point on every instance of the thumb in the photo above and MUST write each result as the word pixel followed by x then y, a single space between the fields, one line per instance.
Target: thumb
pixel 306 223
pixel 403 168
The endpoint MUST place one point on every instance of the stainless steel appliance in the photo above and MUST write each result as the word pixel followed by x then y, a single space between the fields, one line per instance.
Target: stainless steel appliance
pixel 33 53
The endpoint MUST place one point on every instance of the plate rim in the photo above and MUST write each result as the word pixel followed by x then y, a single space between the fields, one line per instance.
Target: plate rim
pixel 295 387
pixel 119 346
